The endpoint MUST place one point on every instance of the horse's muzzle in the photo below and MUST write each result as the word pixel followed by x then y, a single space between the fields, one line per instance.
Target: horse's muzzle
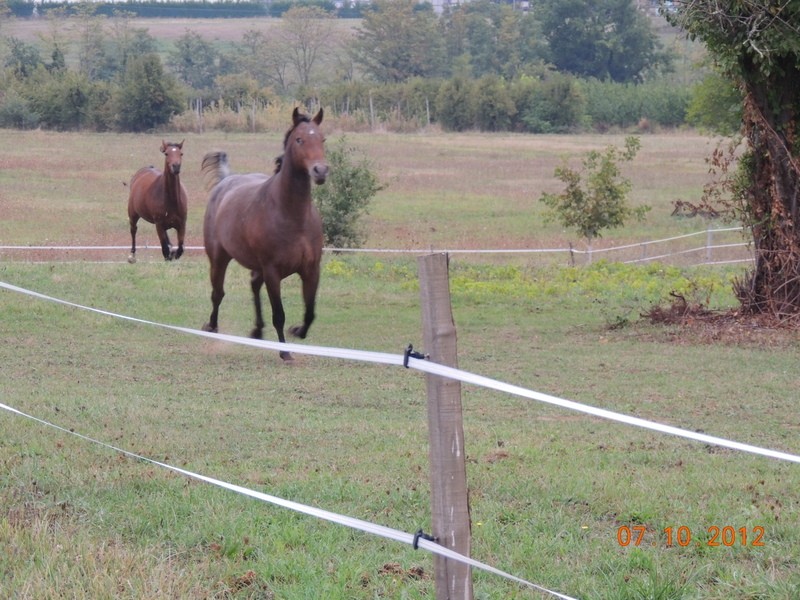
pixel 319 173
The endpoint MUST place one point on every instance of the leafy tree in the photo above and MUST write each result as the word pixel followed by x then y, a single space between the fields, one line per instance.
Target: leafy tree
pixel 606 39
pixel 492 38
pixel 16 111
pixel 23 58
pixel 757 46
pixel 455 105
pixel 715 105
pixel 58 62
pixel 239 90
pixel 305 32
pixel 397 40
pixel 63 101
pixel 91 41
pixel 5 12
pixel 554 104
pixel 493 106
pixel 148 97
pixel 195 60
pixel 599 203
pixel 610 104
pixel 126 41
pixel 345 197
pixel 262 58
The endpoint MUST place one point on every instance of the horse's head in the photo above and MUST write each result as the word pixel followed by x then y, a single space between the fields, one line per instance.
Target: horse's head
pixel 173 154
pixel 304 146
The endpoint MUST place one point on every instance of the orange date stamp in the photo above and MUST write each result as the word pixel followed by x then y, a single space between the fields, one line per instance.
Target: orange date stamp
pixel 682 536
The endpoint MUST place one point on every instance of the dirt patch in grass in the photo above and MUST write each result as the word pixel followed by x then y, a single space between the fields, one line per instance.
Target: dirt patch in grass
pixel 693 323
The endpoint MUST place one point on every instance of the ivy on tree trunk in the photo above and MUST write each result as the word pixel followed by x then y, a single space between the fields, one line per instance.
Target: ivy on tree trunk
pixel 757 44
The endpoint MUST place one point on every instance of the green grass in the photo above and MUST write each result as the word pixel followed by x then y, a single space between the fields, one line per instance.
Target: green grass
pixel 548 488
pixel 442 190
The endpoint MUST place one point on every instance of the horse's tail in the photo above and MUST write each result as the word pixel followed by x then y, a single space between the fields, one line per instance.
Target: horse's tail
pixel 215 168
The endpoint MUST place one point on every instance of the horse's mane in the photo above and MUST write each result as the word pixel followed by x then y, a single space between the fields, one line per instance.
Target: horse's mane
pixel 279 159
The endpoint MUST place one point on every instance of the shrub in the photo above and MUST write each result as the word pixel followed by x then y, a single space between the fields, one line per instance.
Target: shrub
pixel 716 105
pixel 554 105
pixel 599 203
pixel 16 112
pixel 345 196
pixel 455 104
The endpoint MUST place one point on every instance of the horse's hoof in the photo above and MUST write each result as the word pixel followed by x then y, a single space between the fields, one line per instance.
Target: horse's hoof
pixel 256 334
pixel 287 357
pixel 209 328
pixel 132 258
pixel 298 331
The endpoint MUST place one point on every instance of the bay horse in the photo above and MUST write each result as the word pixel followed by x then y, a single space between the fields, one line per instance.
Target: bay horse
pixel 159 197
pixel 268 224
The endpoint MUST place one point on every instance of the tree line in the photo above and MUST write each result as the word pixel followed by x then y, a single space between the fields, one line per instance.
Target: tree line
pixel 190 9
pixel 558 67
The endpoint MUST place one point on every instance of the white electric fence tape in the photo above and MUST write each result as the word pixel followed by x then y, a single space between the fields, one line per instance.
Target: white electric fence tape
pixel 453 250
pixel 365 526
pixel 353 523
pixel 399 360
pixel 437 369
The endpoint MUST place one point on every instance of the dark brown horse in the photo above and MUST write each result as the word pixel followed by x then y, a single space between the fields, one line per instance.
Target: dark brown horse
pixel 160 198
pixel 268 224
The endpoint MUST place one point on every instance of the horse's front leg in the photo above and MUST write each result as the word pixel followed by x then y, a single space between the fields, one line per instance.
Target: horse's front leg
pixel 133 219
pixel 164 239
pixel 273 283
pixel 176 253
pixel 310 285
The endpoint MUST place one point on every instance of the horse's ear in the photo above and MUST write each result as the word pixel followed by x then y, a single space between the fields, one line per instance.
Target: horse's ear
pixel 181 144
pixel 318 117
pixel 296 117
pixel 163 146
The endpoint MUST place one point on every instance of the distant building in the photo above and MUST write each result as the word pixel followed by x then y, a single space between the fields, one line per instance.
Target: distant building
pixel 440 5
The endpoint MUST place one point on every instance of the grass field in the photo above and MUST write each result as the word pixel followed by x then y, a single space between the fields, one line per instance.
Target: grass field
pixel 442 190
pixel 549 489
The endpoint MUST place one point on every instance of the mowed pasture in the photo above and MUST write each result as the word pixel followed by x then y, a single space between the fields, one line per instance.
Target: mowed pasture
pixel 550 489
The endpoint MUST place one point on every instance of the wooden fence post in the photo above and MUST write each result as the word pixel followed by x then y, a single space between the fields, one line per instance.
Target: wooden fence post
pixel 449 502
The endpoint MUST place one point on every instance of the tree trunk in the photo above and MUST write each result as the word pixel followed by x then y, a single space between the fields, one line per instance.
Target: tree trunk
pixel 771 113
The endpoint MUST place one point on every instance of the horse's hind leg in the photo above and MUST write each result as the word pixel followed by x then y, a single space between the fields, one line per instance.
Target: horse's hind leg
pixel 218 269
pixel 133 219
pixel 256 281
pixel 273 284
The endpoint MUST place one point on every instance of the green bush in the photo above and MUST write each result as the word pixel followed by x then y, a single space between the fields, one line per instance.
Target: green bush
pixel 455 104
pixel 622 105
pixel 345 196
pixel 715 105
pixel 16 112
pixel 494 108
pixel 553 105
pixel 148 96
pixel 600 201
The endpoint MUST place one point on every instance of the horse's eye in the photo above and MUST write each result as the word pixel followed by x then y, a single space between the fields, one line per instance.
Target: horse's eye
pixel 300 141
